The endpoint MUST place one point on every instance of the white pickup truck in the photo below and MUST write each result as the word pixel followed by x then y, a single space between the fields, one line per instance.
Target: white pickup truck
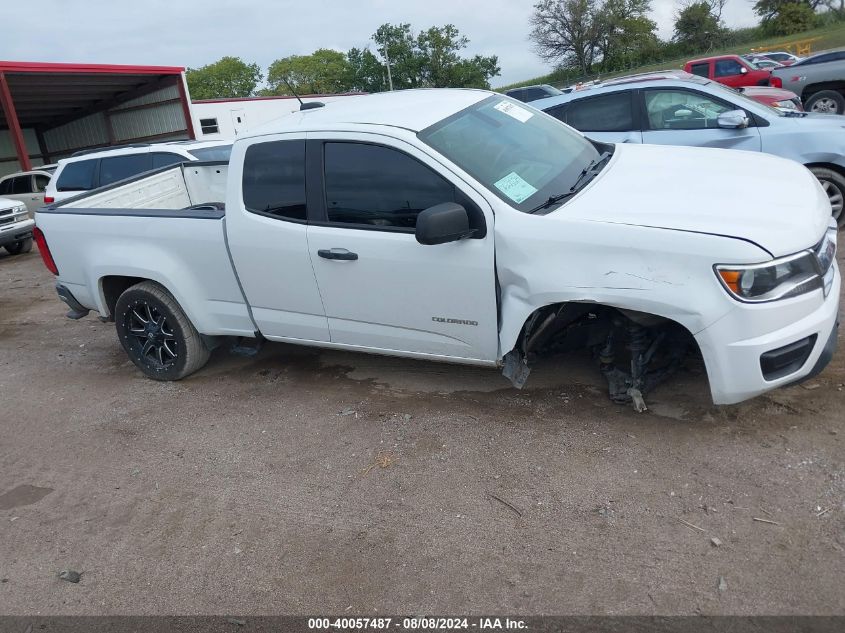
pixel 462 226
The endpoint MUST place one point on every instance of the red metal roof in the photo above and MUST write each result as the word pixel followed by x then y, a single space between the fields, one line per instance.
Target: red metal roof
pixel 117 69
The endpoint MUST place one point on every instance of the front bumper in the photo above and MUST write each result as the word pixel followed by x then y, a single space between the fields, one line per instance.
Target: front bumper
pixel 11 233
pixel 732 350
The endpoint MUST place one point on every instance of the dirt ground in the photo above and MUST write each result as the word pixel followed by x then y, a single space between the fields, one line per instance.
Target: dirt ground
pixel 309 482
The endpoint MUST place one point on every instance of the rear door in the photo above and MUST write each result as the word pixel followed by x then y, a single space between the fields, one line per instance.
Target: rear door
pixel 610 118
pixel 382 290
pixel 681 116
pixel 266 223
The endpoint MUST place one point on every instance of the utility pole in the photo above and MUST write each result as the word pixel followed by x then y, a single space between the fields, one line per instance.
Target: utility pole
pixel 387 62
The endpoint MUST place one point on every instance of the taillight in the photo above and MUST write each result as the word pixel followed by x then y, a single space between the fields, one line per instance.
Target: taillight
pixel 775 82
pixel 49 199
pixel 40 240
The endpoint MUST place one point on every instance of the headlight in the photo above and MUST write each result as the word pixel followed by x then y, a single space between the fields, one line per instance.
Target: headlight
pixel 778 279
pixel 786 104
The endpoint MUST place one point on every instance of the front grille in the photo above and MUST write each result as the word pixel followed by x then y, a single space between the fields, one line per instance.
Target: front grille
pixel 7 220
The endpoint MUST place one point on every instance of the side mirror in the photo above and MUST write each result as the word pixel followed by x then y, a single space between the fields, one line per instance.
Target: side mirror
pixel 743 70
pixel 446 222
pixel 732 119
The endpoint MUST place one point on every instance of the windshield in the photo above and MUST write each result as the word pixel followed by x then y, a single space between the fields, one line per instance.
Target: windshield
pixel 521 155
pixel 218 152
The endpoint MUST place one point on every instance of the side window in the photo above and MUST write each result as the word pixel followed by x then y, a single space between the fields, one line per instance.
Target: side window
pixel 702 70
pixel 607 113
pixel 532 94
pixel 22 184
pixel 378 186
pixel 274 179
pixel 162 159
pixel 558 112
pixel 727 68
pixel 41 182
pixel 77 176
pixel 209 126
pixel 682 110
pixel 119 167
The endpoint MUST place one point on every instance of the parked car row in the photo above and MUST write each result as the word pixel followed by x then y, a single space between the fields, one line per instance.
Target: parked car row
pixel 23 192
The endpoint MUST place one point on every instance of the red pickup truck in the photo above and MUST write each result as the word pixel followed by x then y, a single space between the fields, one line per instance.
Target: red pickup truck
pixel 731 70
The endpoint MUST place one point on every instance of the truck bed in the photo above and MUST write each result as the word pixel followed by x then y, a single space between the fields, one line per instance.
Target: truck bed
pixel 168 226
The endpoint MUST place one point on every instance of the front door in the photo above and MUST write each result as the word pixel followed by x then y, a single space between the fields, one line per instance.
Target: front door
pixel 382 290
pixel 266 231
pixel 678 116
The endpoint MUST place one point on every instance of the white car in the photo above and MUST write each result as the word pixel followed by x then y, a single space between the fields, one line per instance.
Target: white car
pixel 463 226
pixel 27 186
pixel 15 227
pixel 100 168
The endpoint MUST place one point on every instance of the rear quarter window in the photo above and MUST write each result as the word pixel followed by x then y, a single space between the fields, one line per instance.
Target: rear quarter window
pixel 77 176
pixel 274 179
pixel 607 113
pixel 702 70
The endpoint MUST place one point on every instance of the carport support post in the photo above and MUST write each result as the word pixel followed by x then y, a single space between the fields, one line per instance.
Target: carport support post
pixel 14 125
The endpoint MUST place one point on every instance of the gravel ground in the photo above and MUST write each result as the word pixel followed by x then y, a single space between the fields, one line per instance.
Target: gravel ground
pixel 303 481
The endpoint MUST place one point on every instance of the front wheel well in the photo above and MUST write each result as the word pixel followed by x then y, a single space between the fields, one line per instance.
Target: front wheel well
pixel 810 90
pixel 833 167
pixel 634 350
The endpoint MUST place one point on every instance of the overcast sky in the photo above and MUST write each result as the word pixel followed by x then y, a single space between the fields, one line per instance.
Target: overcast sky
pixel 196 32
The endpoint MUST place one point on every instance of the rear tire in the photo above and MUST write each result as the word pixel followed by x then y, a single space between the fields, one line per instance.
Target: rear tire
pixel 826 101
pixel 834 185
pixel 156 334
pixel 24 246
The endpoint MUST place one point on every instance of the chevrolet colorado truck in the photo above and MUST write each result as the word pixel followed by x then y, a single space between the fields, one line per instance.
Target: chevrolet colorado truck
pixel 462 226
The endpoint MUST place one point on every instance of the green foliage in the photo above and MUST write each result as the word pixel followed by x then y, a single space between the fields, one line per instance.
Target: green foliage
pixel 428 59
pixel 697 28
pixel 229 77
pixel 585 34
pixel 785 18
pixel 323 71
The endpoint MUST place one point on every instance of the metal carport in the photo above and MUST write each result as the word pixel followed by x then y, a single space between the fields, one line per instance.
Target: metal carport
pixel 50 110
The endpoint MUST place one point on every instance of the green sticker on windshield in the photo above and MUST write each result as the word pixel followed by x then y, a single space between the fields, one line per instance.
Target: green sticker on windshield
pixel 515 188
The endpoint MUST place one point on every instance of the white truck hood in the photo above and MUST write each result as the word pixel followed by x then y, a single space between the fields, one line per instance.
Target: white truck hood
pixel 770 201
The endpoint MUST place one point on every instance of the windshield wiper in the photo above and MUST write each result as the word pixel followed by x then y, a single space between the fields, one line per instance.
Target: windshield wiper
pixel 592 169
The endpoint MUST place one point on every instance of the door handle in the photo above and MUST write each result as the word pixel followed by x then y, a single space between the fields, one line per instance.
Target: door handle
pixel 337 253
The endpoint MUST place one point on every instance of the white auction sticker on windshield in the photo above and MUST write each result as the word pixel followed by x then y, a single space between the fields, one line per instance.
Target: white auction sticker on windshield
pixel 515 188
pixel 513 110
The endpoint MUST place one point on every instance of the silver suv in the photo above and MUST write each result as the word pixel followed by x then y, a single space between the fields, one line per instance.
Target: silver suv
pixel 669 110
pixel 99 168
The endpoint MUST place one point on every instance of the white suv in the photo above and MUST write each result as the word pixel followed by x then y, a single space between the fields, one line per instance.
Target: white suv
pixel 91 170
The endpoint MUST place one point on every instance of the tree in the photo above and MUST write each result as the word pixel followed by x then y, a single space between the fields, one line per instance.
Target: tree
pixel 697 26
pixel 229 77
pixel 784 17
pixel 429 59
pixel 322 72
pixel 566 32
pixel 583 33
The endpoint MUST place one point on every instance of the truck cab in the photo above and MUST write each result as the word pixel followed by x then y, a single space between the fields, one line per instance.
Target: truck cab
pixel 731 70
